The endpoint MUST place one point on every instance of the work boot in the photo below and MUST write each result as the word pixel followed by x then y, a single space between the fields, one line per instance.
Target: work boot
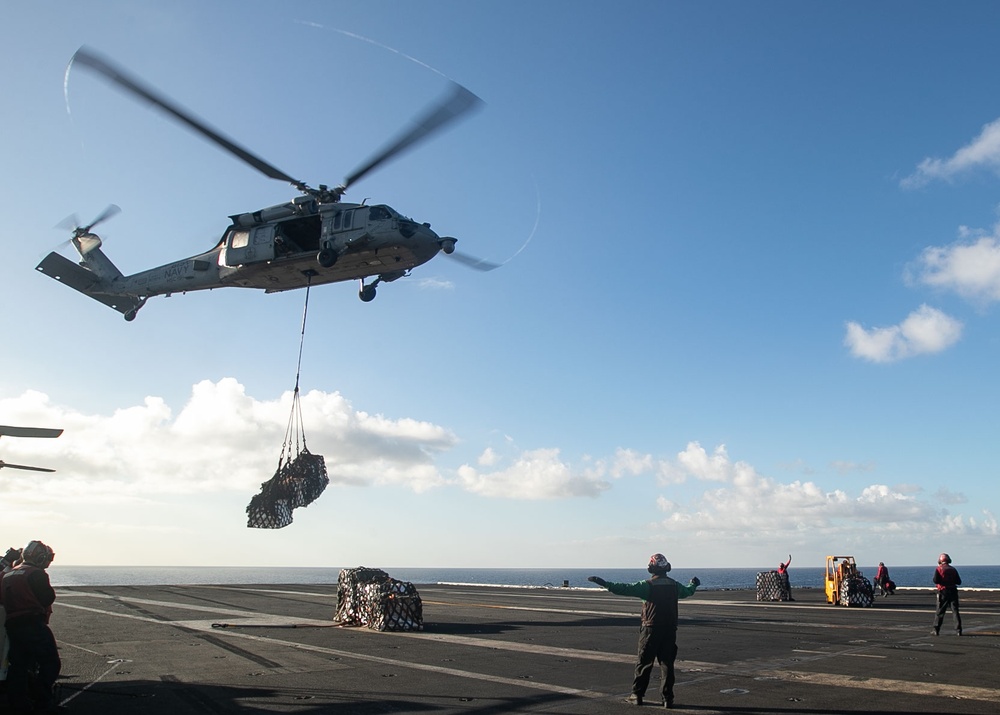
pixel 634 699
pixel 935 632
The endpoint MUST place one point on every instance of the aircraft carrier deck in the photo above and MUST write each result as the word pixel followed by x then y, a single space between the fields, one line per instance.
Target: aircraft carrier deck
pixel 170 650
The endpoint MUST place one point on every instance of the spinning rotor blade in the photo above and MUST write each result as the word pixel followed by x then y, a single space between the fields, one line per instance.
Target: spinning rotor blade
pixel 72 222
pixel 447 110
pixel 117 75
pixel 22 466
pixel 473 262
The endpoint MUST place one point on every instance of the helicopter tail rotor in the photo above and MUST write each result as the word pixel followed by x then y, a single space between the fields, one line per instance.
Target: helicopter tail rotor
pixel 82 238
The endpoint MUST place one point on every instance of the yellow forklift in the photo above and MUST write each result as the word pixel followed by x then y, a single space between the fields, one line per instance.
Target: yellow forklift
pixel 845 585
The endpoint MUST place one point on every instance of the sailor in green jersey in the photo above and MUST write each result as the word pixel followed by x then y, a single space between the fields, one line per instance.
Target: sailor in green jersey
pixel 658 632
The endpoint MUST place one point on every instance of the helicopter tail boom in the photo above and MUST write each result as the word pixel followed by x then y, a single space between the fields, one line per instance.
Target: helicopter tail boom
pixel 87 282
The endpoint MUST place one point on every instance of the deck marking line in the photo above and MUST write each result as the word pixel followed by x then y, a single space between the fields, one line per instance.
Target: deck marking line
pixel 913 687
pixel 395 662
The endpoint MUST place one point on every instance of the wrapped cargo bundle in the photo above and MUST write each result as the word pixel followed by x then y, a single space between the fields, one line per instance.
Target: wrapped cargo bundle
pixel 298 482
pixel 856 590
pixel 771 587
pixel 371 598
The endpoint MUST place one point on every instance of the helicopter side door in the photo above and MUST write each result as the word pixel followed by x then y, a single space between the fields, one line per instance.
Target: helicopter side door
pixel 345 227
pixel 252 245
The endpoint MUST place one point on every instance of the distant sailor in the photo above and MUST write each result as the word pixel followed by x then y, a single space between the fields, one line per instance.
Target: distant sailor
pixel 947 580
pixel 658 634
pixel 786 586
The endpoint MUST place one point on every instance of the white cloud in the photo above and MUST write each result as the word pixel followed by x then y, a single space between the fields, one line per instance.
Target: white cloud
pixel 752 506
pixel 536 474
pixel 221 440
pixel 983 151
pixel 970 268
pixel 926 330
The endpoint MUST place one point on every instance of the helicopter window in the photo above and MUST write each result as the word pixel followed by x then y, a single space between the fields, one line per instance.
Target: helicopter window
pixel 348 216
pixel 239 239
pixel 378 213
pixel 336 221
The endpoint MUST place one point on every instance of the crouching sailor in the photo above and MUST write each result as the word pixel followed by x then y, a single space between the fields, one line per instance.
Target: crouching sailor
pixel 27 596
pixel 658 634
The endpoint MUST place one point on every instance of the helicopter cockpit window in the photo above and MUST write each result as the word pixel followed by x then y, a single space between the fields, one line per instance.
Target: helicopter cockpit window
pixel 239 239
pixel 378 213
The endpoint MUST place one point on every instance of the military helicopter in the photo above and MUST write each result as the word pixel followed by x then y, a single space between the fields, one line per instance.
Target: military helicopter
pixel 311 240
pixel 27 432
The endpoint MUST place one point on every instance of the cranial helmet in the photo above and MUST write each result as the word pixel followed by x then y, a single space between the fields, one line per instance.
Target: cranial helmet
pixel 944 559
pixel 658 564
pixel 38 554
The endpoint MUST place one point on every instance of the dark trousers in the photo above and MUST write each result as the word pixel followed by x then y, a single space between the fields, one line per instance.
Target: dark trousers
pixel 656 643
pixel 947 597
pixel 32 645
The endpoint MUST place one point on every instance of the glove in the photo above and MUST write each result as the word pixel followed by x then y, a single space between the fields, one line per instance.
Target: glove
pixel 12 556
pixel 696 581
pixel 598 580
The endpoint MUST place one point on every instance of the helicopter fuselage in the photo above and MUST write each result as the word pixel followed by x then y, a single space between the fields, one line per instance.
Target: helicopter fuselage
pixel 283 247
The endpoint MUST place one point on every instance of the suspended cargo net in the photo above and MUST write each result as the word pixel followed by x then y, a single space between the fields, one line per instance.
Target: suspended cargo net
pixel 371 598
pixel 301 476
pixel 298 482
pixel 772 587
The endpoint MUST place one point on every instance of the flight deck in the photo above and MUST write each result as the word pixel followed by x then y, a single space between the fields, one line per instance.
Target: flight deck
pixel 172 650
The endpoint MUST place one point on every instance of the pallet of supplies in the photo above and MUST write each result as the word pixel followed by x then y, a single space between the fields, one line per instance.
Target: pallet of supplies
pixel 371 598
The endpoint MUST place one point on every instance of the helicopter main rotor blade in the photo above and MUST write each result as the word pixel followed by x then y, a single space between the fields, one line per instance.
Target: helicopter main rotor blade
pixel 117 75
pixel 22 466
pixel 8 431
pixel 457 103
pixel 472 262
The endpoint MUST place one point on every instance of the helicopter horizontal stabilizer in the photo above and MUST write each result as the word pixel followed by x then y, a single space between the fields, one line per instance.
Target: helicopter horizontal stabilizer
pixel 80 279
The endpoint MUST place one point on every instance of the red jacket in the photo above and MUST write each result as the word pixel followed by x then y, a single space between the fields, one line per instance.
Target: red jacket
pixel 26 592
pixel 946 576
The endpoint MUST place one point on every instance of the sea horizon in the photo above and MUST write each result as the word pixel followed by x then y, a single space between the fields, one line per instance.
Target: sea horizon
pixel 973 577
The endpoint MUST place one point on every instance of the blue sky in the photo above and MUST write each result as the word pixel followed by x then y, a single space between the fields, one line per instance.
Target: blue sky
pixel 749 307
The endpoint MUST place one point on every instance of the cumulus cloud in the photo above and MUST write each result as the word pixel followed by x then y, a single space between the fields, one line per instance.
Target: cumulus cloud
pixel 969 267
pixel 221 440
pixel 983 151
pixel 924 331
pixel 536 474
pixel 749 505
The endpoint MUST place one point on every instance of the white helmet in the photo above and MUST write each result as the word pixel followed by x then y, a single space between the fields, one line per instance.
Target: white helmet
pixel 38 554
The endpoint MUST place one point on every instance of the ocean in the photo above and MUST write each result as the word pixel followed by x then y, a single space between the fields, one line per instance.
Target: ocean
pixel 978 577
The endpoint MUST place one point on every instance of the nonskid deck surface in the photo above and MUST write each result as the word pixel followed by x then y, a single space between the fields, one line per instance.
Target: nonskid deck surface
pixel 484 651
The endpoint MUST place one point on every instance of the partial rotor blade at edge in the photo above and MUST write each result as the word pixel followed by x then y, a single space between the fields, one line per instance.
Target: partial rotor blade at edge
pixel 22 466
pixel 457 103
pixel 117 75
pixel 29 431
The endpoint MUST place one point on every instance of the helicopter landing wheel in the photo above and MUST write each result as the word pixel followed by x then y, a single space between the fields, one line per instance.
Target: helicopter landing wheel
pixel 130 316
pixel 367 294
pixel 327 257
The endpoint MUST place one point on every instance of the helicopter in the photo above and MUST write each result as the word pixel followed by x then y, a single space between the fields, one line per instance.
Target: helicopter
pixel 313 239
pixel 7 431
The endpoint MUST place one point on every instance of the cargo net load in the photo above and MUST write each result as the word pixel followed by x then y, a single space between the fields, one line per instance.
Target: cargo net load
pixel 772 586
pixel 298 482
pixel 856 590
pixel 301 476
pixel 371 598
